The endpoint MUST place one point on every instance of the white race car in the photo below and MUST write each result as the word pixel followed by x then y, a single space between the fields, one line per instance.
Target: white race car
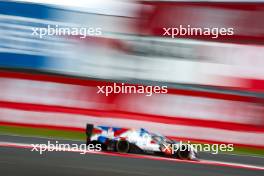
pixel 138 141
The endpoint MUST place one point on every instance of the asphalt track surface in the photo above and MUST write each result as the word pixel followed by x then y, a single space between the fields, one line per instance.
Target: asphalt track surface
pixel 22 161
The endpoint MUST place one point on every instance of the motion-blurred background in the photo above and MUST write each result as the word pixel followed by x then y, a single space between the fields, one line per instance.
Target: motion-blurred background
pixel 216 86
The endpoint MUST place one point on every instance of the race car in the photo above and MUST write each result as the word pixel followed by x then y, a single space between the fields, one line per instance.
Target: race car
pixel 125 140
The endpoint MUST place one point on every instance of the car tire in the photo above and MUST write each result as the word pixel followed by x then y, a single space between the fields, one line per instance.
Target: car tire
pixel 122 146
pixel 183 153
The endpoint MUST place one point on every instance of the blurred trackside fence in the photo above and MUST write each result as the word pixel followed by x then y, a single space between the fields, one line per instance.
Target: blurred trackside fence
pixel 69 103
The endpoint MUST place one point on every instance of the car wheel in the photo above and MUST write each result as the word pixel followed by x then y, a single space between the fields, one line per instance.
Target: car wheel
pixel 122 146
pixel 183 152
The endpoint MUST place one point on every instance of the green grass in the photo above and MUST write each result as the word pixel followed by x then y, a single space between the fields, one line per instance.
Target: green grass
pixel 244 150
pixel 75 135
pixel 249 151
pixel 39 132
